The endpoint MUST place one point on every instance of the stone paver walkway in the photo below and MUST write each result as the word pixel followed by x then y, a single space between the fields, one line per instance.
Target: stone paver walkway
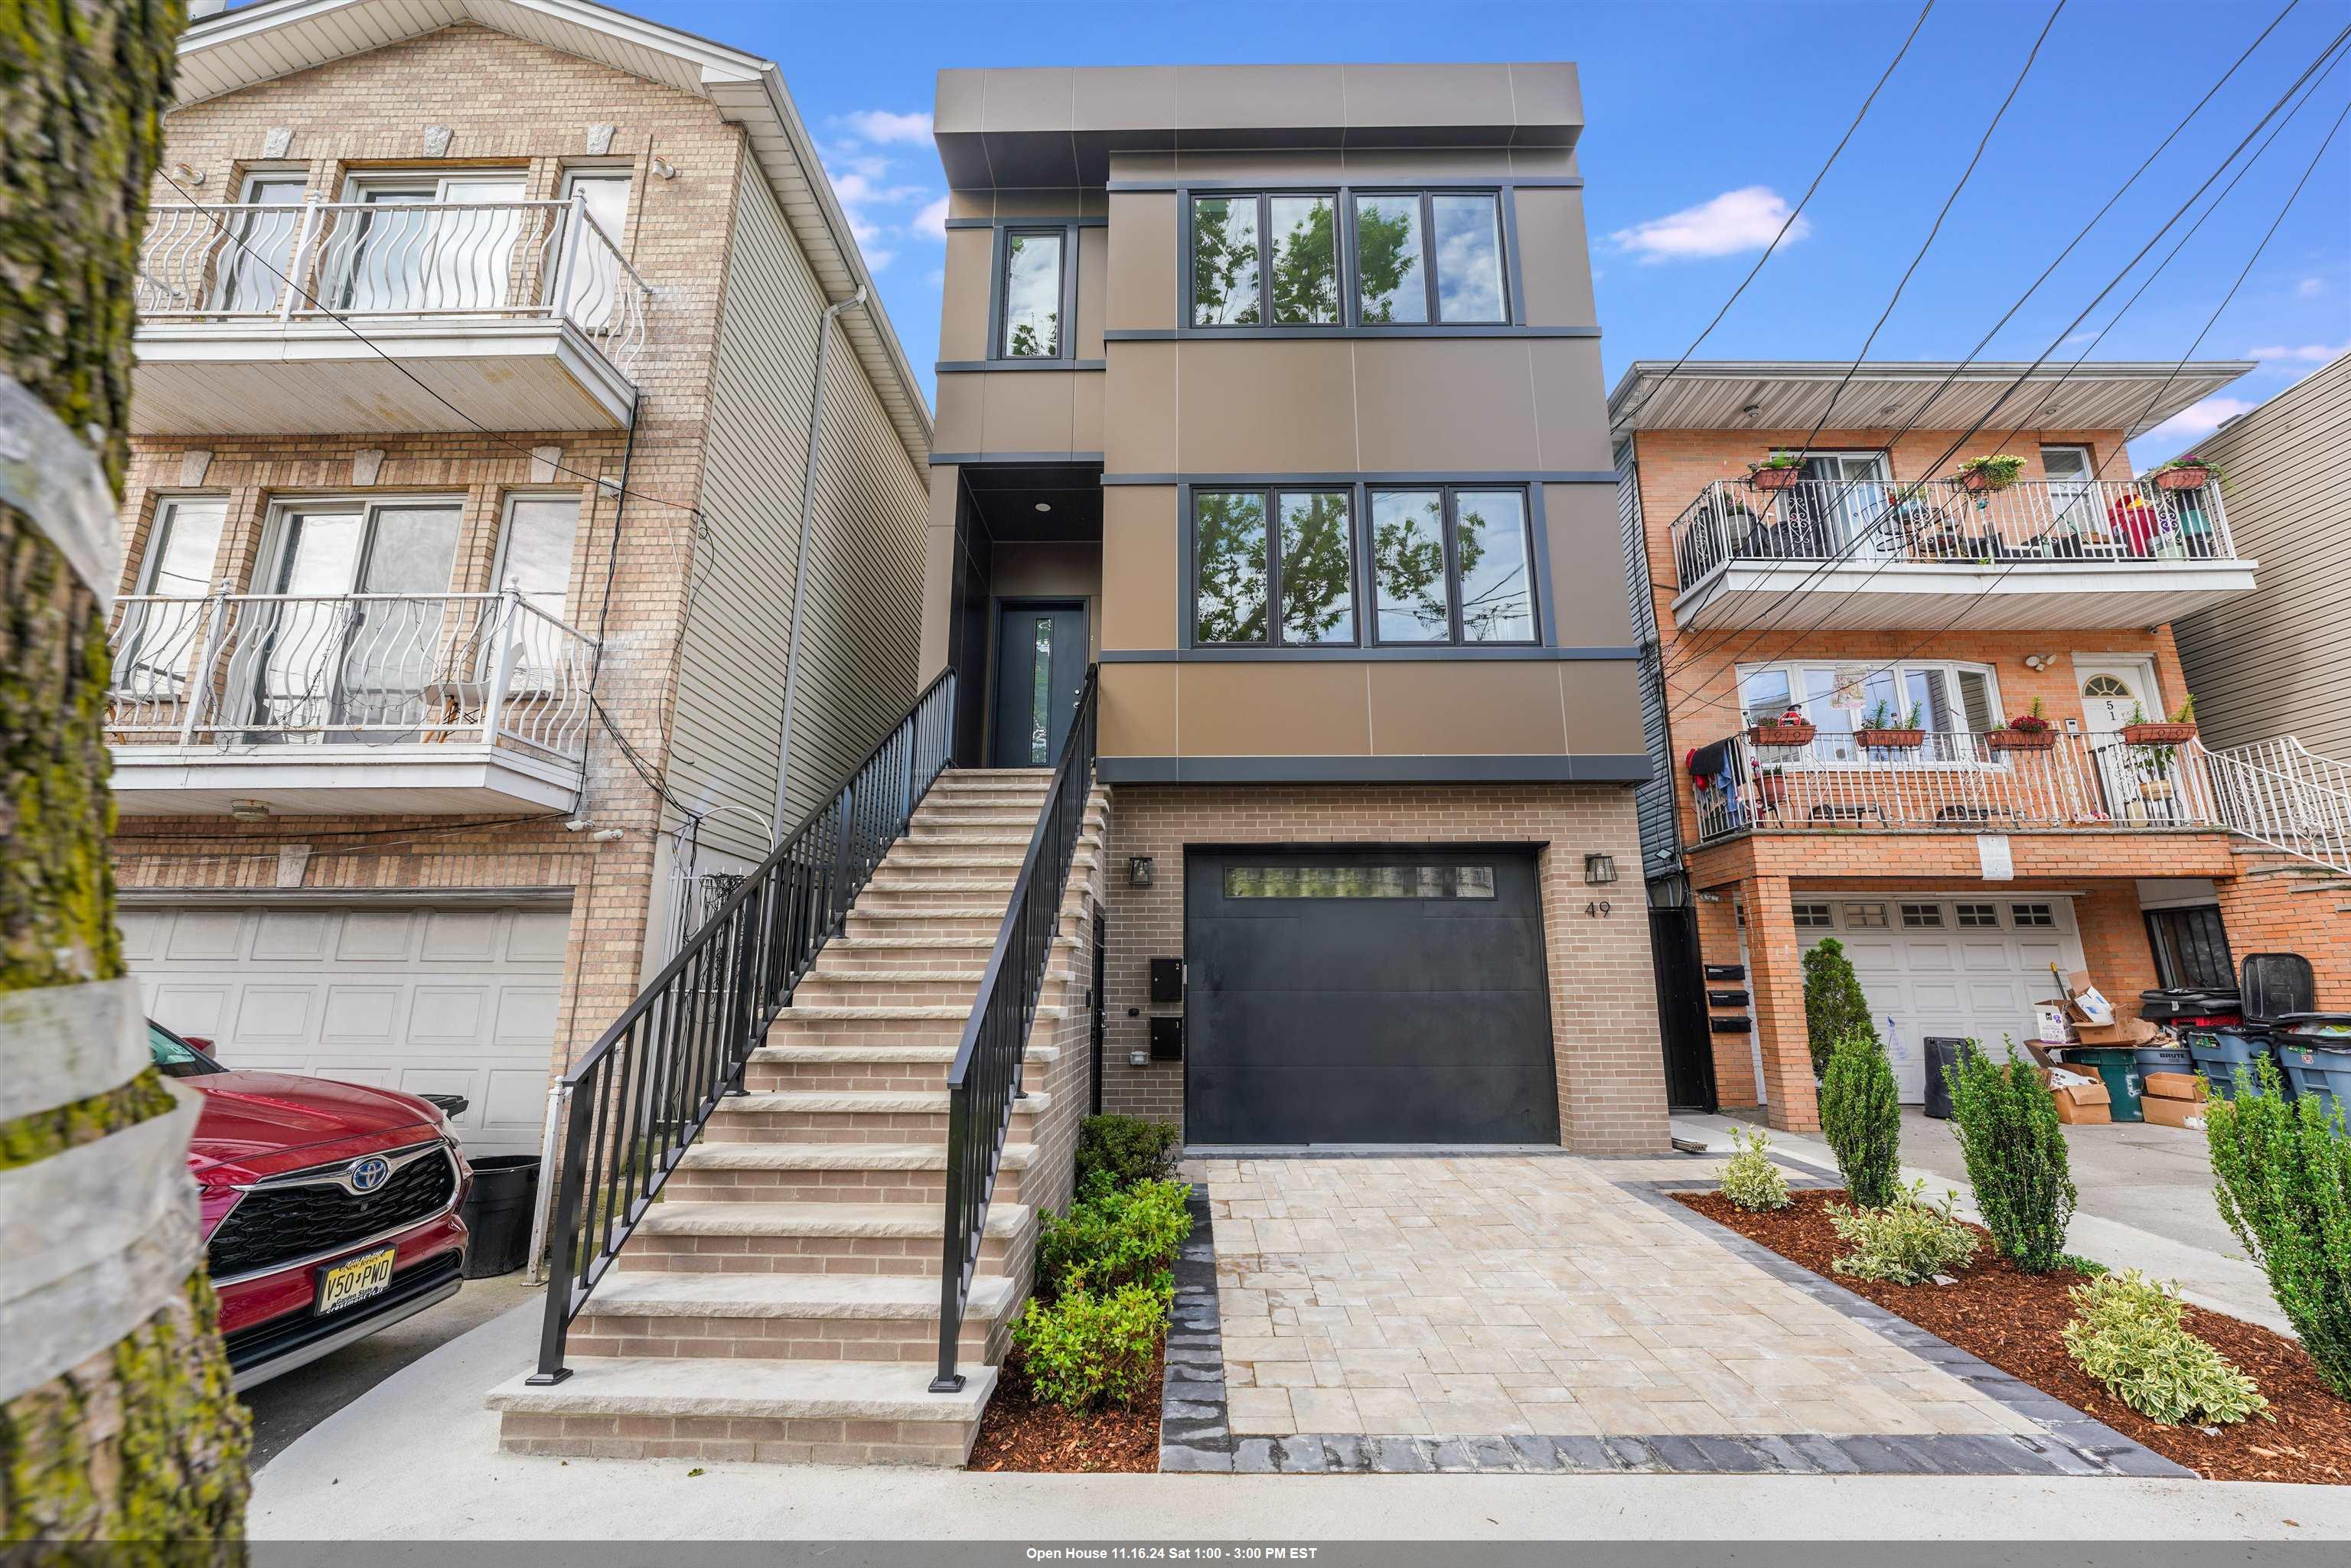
pixel 1504 1295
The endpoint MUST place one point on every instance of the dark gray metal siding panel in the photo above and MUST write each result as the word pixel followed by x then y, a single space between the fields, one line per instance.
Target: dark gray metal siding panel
pixel 1653 802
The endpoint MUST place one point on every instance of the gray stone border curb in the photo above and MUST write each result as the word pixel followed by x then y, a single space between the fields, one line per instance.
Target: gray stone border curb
pixel 1193 1432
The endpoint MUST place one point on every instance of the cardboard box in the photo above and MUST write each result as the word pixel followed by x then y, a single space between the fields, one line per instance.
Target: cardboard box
pixel 2049 1023
pixel 2089 1003
pixel 2188 1113
pixel 2083 1103
pixel 2173 1086
pixel 2123 1032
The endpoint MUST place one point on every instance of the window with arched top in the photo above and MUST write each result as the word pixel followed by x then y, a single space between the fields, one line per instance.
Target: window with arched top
pixel 2104 686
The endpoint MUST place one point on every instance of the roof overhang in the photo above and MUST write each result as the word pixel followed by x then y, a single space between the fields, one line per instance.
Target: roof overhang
pixel 258 43
pixel 1780 395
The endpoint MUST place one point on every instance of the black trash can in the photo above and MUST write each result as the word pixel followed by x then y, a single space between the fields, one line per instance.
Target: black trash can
pixel 1943 1053
pixel 498 1212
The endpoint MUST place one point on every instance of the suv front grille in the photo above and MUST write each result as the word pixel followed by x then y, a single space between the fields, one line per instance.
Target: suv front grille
pixel 294 1218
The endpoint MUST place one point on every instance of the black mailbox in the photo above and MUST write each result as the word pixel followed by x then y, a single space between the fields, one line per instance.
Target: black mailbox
pixel 1726 998
pixel 1167 1039
pixel 1732 1026
pixel 1725 971
pixel 1167 980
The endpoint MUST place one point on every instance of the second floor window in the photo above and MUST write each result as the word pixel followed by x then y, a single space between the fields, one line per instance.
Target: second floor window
pixel 1272 567
pixel 1032 295
pixel 535 552
pixel 1952 703
pixel 1420 258
pixel 1452 565
pixel 1403 276
pixel 1260 260
pixel 182 546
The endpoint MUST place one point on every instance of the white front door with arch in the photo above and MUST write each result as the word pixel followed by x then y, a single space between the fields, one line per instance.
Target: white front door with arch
pixel 2114 690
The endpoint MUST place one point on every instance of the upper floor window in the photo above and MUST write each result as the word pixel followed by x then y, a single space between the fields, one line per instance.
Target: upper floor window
pixel 1419 258
pixel 427 243
pixel 1953 702
pixel 590 287
pixel 535 551
pixel 1034 263
pixel 1272 567
pixel 1452 564
pixel 268 222
pixel 182 546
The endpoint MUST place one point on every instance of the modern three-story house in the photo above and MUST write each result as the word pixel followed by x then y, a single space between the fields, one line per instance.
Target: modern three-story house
pixel 473 469
pixel 1897 701
pixel 1274 393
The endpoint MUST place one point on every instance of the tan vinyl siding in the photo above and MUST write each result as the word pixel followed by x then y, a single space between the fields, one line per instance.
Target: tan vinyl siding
pixel 858 650
pixel 2277 662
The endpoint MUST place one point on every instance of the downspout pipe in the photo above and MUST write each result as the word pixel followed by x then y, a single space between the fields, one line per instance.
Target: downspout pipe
pixel 801 559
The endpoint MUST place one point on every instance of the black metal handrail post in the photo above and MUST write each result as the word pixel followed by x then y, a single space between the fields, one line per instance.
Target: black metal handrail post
pixel 642 1095
pixel 985 1080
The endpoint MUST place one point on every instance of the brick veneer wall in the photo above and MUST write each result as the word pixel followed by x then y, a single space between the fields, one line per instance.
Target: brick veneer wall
pixel 513 104
pixel 1602 988
pixel 2303 910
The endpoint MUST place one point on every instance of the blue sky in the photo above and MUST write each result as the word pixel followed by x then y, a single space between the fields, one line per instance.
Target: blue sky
pixel 1703 121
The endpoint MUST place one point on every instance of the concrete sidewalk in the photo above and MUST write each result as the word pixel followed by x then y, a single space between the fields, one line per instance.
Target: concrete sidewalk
pixel 2224 1281
pixel 416 1459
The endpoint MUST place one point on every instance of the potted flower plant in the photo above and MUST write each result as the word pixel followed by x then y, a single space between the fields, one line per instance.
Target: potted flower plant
pixel 2153 763
pixel 1772 786
pixel 1995 472
pixel 1880 729
pixel 1778 472
pixel 2187 473
pixel 2177 730
pixel 2028 731
pixel 1791 728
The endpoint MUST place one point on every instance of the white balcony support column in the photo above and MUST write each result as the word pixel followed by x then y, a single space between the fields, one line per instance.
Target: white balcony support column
pixel 290 287
pixel 575 218
pixel 200 683
pixel 509 632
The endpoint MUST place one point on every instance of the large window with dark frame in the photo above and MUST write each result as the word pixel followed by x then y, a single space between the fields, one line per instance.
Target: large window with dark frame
pixel 1271 258
pixel 1272 567
pixel 1031 292
pixel 1451 564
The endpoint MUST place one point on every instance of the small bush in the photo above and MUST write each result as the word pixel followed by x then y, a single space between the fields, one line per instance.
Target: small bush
pixel 2128 1335
pixel 1833 1004
pixel 1084 1348
pixel 1750 1180
pixel 1114 1239
pixel 1907 1242
pixel 2284 1188
pixel 1861 1116
pixel 1119 1151
pixel 2015 1150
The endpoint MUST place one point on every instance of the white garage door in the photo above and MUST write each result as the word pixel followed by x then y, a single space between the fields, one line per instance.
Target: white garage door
pixel 442 1001
pixel 1932 963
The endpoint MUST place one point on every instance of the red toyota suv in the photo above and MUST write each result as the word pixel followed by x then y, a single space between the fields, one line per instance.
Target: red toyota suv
pixel 331 1210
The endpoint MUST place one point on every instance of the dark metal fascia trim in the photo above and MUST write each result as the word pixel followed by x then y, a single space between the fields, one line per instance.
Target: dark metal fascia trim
pixel 1336 333
pixel 1598 767
pixel 1031 459
pixel 975 367
pixel 1508 654
pixel 1464 476
pixel 1029 223
pixel 1487 183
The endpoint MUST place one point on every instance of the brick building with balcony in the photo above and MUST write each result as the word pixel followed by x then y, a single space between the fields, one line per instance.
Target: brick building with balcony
pixel 473 477
pixel 1903 616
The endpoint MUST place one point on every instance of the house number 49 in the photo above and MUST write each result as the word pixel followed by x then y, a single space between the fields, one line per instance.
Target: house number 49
pixel 1597 908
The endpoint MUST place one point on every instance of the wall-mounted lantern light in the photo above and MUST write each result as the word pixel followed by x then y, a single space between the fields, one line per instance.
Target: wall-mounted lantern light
pixel 1599 870
pixel 1138 870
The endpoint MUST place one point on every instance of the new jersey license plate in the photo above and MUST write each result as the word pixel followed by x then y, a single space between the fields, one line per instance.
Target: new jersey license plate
pixel 354 1280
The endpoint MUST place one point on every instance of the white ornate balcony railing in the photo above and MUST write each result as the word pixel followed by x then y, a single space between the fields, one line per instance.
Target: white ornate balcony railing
pixel 244 262
pixel 1952 782
pixel 241 670
pixel 1941 523
pixel 2280 793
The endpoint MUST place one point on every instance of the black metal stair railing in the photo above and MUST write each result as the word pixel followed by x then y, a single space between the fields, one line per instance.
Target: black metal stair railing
pixel 642 1095
pixel 984 1084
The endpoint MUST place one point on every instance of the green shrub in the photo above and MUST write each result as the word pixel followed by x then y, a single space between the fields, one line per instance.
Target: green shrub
pixel 1119 1151
pixel 1083 1347
pixel 1117 1239
pixel 1907 1242
pixel 1834 1005
pixel 2126 1333
pixel 1862 1118
pixel 2008 1129
pixel 2284 1188
pixel 1750 1180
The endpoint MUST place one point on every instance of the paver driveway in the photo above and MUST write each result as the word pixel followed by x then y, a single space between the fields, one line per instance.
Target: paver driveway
pixel 1510 1294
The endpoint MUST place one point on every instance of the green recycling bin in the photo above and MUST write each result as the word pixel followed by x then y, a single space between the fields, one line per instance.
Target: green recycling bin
pixel 2118 1066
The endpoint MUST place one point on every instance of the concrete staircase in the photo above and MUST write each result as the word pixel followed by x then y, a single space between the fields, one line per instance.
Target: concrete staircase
pixel 782 1302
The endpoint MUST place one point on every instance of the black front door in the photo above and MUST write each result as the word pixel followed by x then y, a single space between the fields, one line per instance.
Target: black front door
pixel 1682 1009
pixel 1386 996
pixel 1041 668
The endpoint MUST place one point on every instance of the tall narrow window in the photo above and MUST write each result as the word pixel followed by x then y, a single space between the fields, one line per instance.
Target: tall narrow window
pixel 250 280
pixel 1224 278
pixel 153 647
pixel 1317 568
pixel 1040 695
pixel 184 545
pixel 535 558
pixel 1497 602
pixel 1032 296
pixel 1391 285
pixel 1469 258
pixel 1305 260
pixel 591 291
pixel 1231 566
pixel 1416 601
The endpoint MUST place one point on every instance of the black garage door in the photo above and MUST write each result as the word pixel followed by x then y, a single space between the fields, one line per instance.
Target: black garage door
pixel 1366 997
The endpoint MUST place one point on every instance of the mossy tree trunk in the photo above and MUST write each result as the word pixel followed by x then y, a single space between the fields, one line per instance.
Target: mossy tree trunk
pixel 142 1440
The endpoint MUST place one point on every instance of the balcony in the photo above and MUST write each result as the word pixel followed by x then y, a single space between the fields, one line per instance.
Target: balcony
pixel 1954 782
pixel 260 319
pixel 1822 555
pixel 346 703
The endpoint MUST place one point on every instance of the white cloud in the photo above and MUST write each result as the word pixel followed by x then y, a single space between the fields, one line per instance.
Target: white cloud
pixel 2308 353
pixel 937 277
pixel 2192 424
pixel 1735 221
pixel 882 125
pixel 932 220
pixel 2079 337
pixel 2310 288
pixel 875 260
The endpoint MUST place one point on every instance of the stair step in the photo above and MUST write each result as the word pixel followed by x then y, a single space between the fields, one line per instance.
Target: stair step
pixel 861 1221
pixel 877 1055
pixel 829 1014
pixel 852 1102
pixel 748 1390
pixel 836 1157
pixel 865 1298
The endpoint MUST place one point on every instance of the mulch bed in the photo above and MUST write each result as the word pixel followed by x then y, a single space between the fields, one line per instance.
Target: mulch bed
pixel 1022 1432
pixel 2011 1320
